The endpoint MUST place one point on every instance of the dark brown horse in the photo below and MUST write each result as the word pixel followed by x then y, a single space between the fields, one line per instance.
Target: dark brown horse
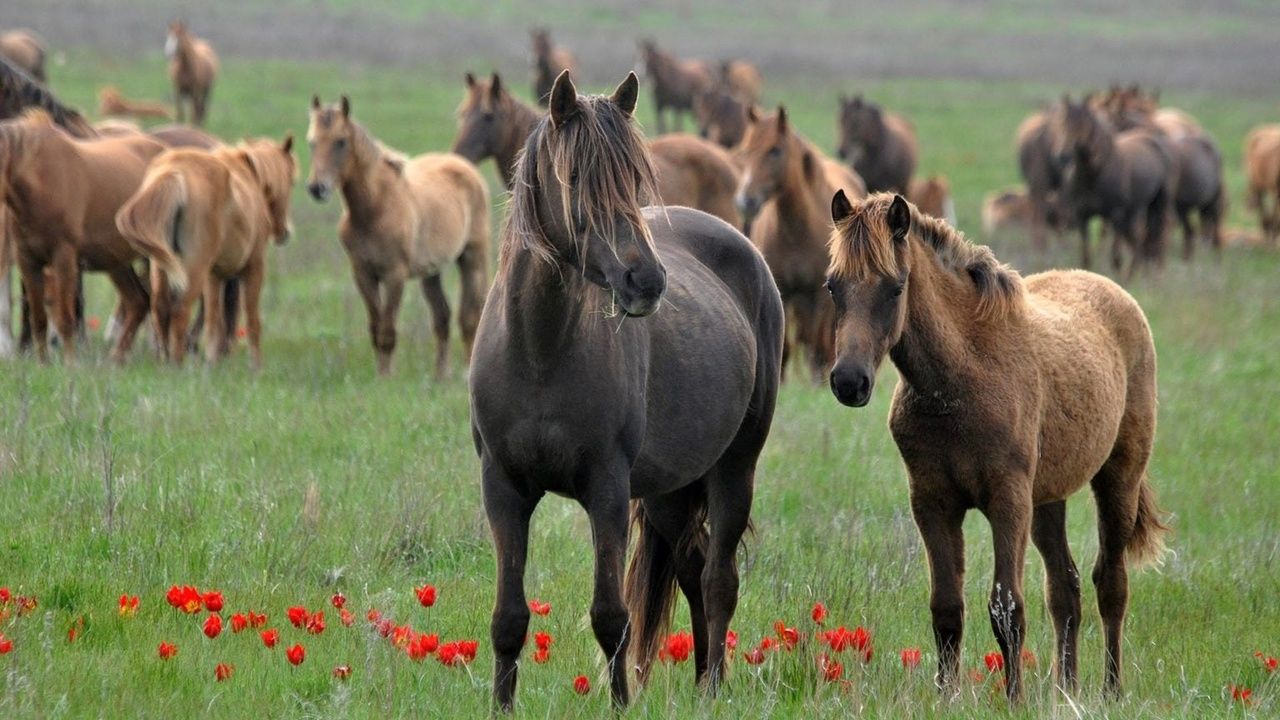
pixel 721 116
pixel 880 145
pixel 548 62
pixel 586 384
pixel 493 123
pixel 1012 395
pixel 1042 172
pixel 742 80
pixel 676 82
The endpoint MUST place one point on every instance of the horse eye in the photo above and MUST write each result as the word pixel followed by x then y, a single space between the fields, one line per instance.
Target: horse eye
pixel 339 144
pixel 827 284
pixel 775 152
pixel 897 290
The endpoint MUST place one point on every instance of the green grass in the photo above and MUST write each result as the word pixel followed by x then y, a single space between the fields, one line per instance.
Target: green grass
pixel 313 476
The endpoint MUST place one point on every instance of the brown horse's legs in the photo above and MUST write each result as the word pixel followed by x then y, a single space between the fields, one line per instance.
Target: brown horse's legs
pixel 608 509
pixel 940 525
pixel 66 273
pixel 673 515
pixel 730 488
pixel 1188 234
pixel 181 315
pixel 255 275
pixel 1115 488
pixel 508 512
pixel 439 304
pixel 33 288
pixel 1009 513
pixel 367 284
pixel 135 302
pixel 161 310
pixel 474 277
pixel 215 329
pixel 393 293
pixel 1062 586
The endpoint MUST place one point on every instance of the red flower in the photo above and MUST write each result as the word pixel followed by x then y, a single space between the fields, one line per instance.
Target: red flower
pixel 819 613
pixel 976 675
pixel 1242 695
pixel 911 658
pixel 788 636
pixel 418 648
pixel 26 604
pixel 581 685
pixel 677 647
pixel 426 595
pixel 298 616
pixel 338 600
pixel 257 620
pixel 1268 663
pixel 222 671
pixel 866 653
pixel 754 657
pixel 541 655
pixel 5 596
pixel 401 635
pixel 537 607
pixel 542 640
pixel 468 649
pixel 93 322
pixel 6 645
pixel 769 643
pixel 74 631
pixel 315 623
pixel 832 670
pixel 213 626
pixel 730 640
pixel 213 601
pixel 347 618
pixel 994 661
pixel 296 654
pixel 373 615
pixel 842 639
pixel 457 653
pixel 342 672
pixel 128 605
pixel 1028 658
pixel 239 622
pixel 185 598
pixel 167 650
pixel 270 637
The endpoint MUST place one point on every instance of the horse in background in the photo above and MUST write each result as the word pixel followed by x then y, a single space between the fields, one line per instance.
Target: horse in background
pixel 932 196
pixel 549 61
pixel 26 50
pixel 493 123
pixel 1041 171
pixel 1012 395
pixel 675 82
pixel 193 67
pixel 112 103
pixel 402 218
pixel 742 80
pixel 721 116
pixel 881 146
pixel 1005 213
pixel 627 358
pixel 1262 171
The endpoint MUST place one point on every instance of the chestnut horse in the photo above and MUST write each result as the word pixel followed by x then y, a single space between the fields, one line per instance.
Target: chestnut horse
pixel 1012 395
pixel 402 218
pixel 880 145
pixel 548 62
pixel 205 217
pixel 676 82
pixel 112 103
pixel 784 195
pixel 1262 170
pixel 587 385
pixel 24 49
pixel 193 66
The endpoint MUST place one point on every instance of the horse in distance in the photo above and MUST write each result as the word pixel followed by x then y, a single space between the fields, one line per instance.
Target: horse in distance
pixel 193 68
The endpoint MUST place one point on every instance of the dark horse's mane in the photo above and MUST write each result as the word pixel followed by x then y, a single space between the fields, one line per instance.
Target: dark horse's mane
pixel 19 92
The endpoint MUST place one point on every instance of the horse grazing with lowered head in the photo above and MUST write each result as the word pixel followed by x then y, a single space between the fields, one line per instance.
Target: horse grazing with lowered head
pixel 1012 395
pixel 784 198
pixel 24 49
pixel 548 62
pixel 205 217
pixel 111 102
pixel 193 67
pixel 402 219
pixel 880 145
pixel 1262 171
pixel 628 358
pixel 675 82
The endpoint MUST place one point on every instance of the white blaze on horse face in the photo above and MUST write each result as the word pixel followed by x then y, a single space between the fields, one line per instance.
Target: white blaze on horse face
pixel 171 45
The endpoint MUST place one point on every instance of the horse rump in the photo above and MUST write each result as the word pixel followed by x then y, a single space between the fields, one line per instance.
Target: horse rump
pixel 151 221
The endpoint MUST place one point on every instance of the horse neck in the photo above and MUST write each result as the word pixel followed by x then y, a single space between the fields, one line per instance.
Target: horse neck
pixel 523 119
pixel 937 338
pixel 546 309
pixel 797 199
pixel 363 183
pixel 186 52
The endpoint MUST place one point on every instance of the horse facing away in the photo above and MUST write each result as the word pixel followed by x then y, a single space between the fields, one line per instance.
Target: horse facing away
pixel 548 62
pixel 1012 395
pixel 402 218
pixel 202 218
pixel 193 67
pixel 880 145
pixel 676 82
pixel 1262 170
pixel 583 386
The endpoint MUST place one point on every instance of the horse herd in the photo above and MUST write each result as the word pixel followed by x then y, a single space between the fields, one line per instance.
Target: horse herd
pixel 629 350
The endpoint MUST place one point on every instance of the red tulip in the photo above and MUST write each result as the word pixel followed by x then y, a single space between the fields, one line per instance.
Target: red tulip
pixel 537 607
pixel 754 657
pixel 338 600
pixel 426 595
pixel 213 601
pixel 296 654
pixel 128 605
pixel 401 635
pixel 457 653
pixel 417 648
pixel 832 670
pixel 581 685
pixel 542 640
pixel 911 658
pixel 541 655
pixel 6 645
pixel 1242 695
pixel 819 613
pixel 239 622
pixel 257 620
pixel 1028 658
pixel 788 636
pixel 347 618
pixel 185 598
pixel 270 637
pixel 222 671
pixel 994 661
pixel 677 647
pixel 298 616
pixel 373 615
pixel 468 649
pixel 5 596
pixel 27 604
pixel 315 623
pixel 1268 663
pixel 730 640
pixel 167 650
pixel 212 626
pixel 342 672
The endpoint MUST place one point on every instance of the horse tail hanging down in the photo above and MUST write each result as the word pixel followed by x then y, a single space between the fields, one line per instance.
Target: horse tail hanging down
pixel 151 222
pixel 1146 542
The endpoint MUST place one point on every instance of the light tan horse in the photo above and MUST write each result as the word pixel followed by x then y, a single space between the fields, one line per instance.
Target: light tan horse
pixel 784 198
pixel 113 103
pixel 1013 394
pixel 193 67
pixel 696 173
pixel 24 49
pixel 1262 170
pixel 203 218
pixel 64 194
pixel 403 218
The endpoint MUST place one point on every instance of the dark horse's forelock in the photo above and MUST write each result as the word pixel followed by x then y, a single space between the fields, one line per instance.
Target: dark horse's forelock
pixel 615 177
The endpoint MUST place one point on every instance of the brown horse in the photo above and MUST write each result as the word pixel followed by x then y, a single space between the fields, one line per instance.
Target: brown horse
pixel 1007 212
pixel 1041 170
pixel 587 385
pixel 193 66
pixel 64 193
pixel 493 123
pixel 1262 170
pixel 932 195
pixel 721 116
pixel 784 195
pixel 1013 394
pixel 24 49
pixel 548 62
pixel 880 145
pixel 402 218
pixel 676 82
pixel 202 218
pixel 742 80
pixel 696 173
pixel 112 103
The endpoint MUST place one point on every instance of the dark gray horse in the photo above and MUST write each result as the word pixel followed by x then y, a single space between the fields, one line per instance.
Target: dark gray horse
pixel 880 145
pixel 622 354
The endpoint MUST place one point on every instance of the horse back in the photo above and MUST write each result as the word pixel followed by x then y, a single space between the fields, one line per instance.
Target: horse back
pixel 450 197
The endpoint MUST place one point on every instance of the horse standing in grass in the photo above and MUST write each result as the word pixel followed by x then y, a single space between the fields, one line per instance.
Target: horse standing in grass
pixel 880 145
pixel 1012 395
pixel 193 66
pixel 1041 170
pixel 784 199
pixel 402 218
pixel 548 62
pixel 24 49
pixel 583 386
pixel 676 82
pixel 1262 170
pixel 932 195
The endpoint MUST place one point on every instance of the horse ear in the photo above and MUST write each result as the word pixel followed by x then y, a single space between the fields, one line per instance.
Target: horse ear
pixel 287 145
pixel 495 85
pixel 346 106
pixel 564 100
pixel 315 102
pixel 841 208
pixel 626 94
pixel 899 218
pixel 782 119
pixel 471 80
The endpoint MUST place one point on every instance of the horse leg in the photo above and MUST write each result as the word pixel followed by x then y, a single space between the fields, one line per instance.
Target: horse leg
pixel 1188 233
pixel 673 515
pixel 439 304
pixel 730 487
pixel 474 277
pixel 33 286
pixel 367 284
pixel 253 279
pixel 7 344
pixel 215 332
pixel 231 309
pixel 1009 513
pixel 1085 260
pixel 135 303
pixel 607 505
pixel 393 289
pixel 508 512
pixel 1062 586
pixel 941 529
pixel 1117 509
pixel 161 310
pixel 181 315
pixel 66 273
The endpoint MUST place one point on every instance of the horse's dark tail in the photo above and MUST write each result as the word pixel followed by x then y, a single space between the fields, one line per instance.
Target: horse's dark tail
pixel 1146 542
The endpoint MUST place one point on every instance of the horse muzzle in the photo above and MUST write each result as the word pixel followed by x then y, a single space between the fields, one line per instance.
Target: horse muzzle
pixel 318 191
pixel 852 387
pixel 641 291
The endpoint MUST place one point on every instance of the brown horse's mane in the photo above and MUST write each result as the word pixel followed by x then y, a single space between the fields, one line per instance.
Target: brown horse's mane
pixel 19 91
pixel 368 148
pixel 862 245
pixel 604 149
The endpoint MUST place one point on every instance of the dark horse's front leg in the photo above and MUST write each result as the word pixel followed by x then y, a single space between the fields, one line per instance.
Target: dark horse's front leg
pixel 508 512
pixel 940 522
pixel 1010 511
pixel 607 501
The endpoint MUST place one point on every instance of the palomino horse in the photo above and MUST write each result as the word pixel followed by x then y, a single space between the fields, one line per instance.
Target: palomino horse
pixel 1262 170
pixel 675 82
pixel 1013 394
pixel 784 199
pixel 721 116
pixel 548 62
pixel 64 194
pixel 402 218
pixel 111 102
pixel 193 66
pixel 880 145
pixel 24 49
pixel 691 172
pixel 1125 178
pixel 204 217
pixel 576 392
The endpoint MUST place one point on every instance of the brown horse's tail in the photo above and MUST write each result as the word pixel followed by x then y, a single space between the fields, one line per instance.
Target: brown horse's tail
pixel 151 221
pixel 1146 542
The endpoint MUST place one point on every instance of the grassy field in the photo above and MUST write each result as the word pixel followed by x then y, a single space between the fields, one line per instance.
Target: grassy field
pixel 312 477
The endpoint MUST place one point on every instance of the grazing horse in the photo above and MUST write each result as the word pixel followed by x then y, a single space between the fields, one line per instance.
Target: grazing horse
pixel 1012 395
pixel 24 49
pixel 112 103
pixel 63 194
pixel 880 145
pixel 402 218
pixel 742 80
pixel 1262 170
pixel 721 117
pixel 193 66
pixel 202 218
pixel 932 195
pixel 784 199
pixel 583 386
pixel 1200 189
pixel 676 82
pixel 548 62
pixel 1125 178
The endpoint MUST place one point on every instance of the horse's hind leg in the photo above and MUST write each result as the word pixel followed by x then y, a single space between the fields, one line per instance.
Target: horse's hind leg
pixel 1116 489
pixel 439 304
pixel 677 519
pixel 730 487
pixel 66 273
pixel 215 331
pixel 253 279
pixel 1188 233
pixel 135 302
pixel 607 505
pixel 509 512
pixel 1062 586
pixel 33 286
